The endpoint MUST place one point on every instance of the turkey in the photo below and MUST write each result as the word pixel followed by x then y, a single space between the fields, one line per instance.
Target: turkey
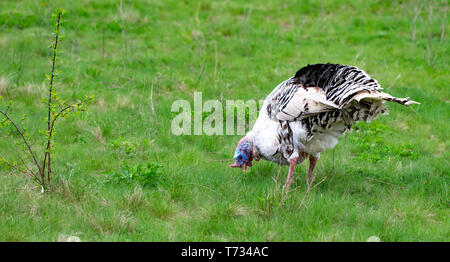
pixel 306 114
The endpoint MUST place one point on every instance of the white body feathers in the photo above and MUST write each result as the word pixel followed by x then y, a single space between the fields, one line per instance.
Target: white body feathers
pixel 306 114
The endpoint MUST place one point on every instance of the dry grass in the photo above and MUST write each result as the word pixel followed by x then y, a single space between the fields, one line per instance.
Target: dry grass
pixel 28 89
pixel 4 84
pixel 124 102
pixel 96 131
pixel 135 200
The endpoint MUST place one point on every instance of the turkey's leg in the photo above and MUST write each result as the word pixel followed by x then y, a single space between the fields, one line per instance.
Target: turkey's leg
pixel 292 164
pixel 309 178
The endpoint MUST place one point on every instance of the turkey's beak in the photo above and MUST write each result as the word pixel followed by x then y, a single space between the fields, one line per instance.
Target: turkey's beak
pixel 235 165
pixel 243 166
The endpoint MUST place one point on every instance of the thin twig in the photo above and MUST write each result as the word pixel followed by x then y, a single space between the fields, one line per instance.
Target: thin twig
pixel 62 111
pixel 47 156
pixel 26 167
pixel 23 138
pixel 15 167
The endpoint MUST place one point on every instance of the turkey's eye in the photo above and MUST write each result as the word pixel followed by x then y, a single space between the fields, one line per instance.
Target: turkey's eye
pixel 240 157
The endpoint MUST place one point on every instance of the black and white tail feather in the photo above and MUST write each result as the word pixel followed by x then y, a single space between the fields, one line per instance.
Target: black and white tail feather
pixel 323 94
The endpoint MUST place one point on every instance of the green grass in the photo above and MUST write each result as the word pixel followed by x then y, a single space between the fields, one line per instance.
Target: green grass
pixel 389 179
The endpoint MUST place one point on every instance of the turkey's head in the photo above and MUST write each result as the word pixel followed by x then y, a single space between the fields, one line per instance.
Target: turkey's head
pixel 243 154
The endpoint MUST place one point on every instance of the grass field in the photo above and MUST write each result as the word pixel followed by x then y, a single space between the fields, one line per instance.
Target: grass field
pixel 389 179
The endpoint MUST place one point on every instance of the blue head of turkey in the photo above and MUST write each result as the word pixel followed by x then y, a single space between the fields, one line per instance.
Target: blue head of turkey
pixel 243 154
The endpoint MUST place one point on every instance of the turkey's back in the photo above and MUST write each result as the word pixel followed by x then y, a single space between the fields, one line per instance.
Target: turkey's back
pixel 327 98
pixel 311 110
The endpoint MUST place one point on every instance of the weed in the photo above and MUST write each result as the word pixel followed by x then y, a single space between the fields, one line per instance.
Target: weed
pixel 124 146
pixel 93 72
pixel 147 175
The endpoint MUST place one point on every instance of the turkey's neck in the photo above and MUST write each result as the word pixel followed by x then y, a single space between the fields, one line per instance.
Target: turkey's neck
pixel 254 148
pixel 263 135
